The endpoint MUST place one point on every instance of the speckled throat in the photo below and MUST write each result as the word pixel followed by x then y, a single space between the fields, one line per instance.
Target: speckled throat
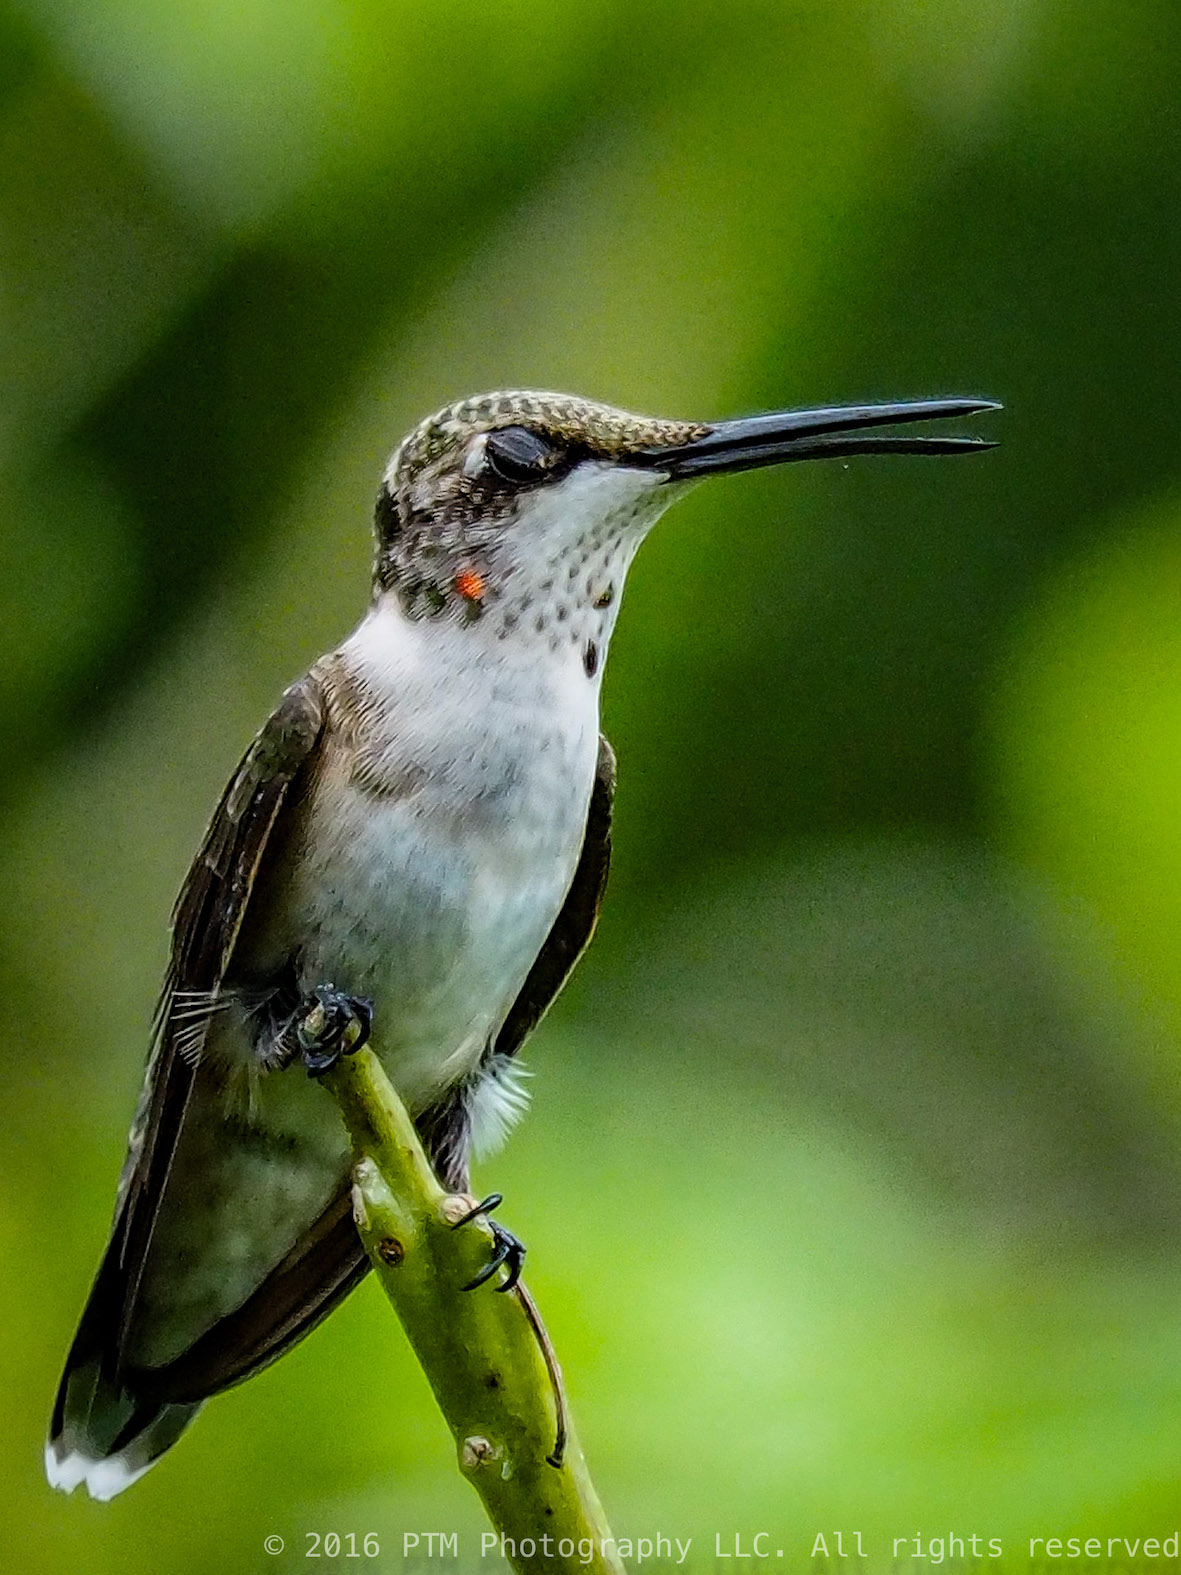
pixel 452 529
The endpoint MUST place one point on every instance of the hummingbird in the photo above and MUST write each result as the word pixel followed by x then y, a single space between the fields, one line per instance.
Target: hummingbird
pixel 416 842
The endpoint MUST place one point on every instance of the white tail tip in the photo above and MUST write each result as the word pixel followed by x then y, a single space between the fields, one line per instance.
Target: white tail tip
pixel 103 1478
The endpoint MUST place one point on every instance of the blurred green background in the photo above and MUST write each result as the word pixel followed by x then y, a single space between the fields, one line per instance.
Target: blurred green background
pixel 852 1182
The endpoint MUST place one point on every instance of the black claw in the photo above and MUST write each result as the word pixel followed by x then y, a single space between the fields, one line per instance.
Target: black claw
pixel 317 1062
pixel 515 1259
pixel 508 1249
pixel 330 1024
pixel 363 1013
pixel 499 1256
pixel 492 1201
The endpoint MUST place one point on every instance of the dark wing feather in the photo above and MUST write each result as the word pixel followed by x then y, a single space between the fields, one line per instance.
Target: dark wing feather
pixel 575 924
pixel 206 922
pixel 319 1271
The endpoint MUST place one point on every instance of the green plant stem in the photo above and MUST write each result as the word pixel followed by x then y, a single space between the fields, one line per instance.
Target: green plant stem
pixel 479 1349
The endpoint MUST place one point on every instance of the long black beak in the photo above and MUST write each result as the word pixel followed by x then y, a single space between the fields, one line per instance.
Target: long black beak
pixel 789 435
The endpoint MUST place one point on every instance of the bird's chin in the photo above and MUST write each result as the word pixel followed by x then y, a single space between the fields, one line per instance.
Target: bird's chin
pixel 597 509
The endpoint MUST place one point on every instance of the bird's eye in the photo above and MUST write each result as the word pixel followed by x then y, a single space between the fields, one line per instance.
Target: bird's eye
pixel 518 455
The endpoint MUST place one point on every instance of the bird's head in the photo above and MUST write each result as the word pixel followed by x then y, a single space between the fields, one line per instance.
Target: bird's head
pixel 527 508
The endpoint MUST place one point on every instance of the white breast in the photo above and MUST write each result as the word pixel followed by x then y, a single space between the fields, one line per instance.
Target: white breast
pixel 436 875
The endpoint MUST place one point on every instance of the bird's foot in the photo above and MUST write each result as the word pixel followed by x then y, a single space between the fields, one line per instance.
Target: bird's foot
pixel 330 1024
pixel 507 1248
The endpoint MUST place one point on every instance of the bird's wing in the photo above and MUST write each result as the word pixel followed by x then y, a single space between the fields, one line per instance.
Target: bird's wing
pixel 206 923
pixel 322 1267
pixel 576 921
pixel 98 1387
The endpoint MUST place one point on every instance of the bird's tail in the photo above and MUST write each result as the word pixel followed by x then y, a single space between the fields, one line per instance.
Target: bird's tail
pixel 104 1435
pixel 103 1432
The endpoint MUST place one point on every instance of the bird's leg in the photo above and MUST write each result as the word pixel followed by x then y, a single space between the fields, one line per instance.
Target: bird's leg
pixel 507 1248
pixel 510 1250
pixel 326 1025
pixel 445 1130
